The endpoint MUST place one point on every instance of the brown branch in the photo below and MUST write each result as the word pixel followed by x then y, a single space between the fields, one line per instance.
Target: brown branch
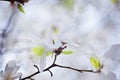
pixel 55 65
pixel 29 77
pixel 55 59
pixel 51 73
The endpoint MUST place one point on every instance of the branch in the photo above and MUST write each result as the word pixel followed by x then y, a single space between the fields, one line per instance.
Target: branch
pixel 51 73
pixel 55 59
pixel 56 65
pixel 6 31
pixel 59 50
pixel 4 0
pixel 29 77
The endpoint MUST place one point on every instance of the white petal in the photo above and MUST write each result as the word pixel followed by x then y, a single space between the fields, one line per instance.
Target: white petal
pixel 91 76
pixel 114 52
pixel 17 75
pixel 111 76
pixel 106 70
pixel 15 70
pixel 10 66
pixel 43 62
pixel 1 74
pixel 107 66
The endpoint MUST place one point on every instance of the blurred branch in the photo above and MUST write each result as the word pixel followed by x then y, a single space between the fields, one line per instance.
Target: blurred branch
pixel 4 0
pixel 6 31
pixel 20 1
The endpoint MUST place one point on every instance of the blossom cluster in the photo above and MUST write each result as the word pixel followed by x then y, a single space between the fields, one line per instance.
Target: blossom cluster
pixel 101 67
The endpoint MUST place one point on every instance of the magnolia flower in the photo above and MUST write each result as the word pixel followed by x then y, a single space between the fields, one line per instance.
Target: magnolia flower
pixel 43 51
pixel 103 66
pixel 10 72
pixel 45 47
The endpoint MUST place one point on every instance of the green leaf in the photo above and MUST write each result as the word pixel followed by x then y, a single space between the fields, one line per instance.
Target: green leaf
pixel 38 50
pixel 68 3
pixel 20 8
pixel 114 1
pixel 49 53
pixel 95 62
pixel 67 52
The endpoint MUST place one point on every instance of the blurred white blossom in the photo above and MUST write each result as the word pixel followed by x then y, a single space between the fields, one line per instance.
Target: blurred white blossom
pixel 10 72
pixel 104 65
pixel 48 48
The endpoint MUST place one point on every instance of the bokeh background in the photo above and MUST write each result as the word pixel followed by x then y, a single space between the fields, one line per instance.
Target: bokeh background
pixel 88 26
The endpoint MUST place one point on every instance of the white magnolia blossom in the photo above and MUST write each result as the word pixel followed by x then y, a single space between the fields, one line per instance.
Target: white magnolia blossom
pixel 49 47
pixel 107 63
pixel 10 71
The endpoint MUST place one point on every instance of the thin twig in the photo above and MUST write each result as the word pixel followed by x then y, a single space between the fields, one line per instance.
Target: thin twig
pixel 56 65
pixel 55 59
pixel 30 76
pixel 51 73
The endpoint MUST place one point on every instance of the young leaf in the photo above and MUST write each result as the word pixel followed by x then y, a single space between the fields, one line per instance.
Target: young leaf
pixel 38 50
pixel 49 53
pixel 114 1
pixel 68 3
pixel 95 62
pixel 67 52
pixel 20 8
